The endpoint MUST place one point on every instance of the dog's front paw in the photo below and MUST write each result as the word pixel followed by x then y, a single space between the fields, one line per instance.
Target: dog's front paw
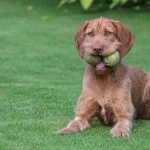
pixel 71 128
pixel 65 131
pixel 120 131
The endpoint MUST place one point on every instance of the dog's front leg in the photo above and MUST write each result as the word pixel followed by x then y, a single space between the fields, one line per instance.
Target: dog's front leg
pixel 85 110
pixel 78 124
pixel 124 112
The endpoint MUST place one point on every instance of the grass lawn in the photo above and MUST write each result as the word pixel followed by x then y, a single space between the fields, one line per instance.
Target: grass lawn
pixel 41 77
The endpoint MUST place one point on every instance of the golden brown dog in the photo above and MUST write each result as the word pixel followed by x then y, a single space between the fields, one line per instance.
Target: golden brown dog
pixel 115 95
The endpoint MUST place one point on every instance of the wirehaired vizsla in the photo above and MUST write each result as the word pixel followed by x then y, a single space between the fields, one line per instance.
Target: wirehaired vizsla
pixel 114 94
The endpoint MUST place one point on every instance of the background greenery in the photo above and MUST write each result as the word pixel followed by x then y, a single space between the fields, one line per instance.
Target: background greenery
pixel 41 76
pixel 111 4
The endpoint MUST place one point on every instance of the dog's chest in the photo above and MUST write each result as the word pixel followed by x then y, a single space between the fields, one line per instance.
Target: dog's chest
pixel 105 92
pixel 105 100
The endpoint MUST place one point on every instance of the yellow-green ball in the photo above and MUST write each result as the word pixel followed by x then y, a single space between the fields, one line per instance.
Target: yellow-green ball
pixel 112 59
pixel 92 59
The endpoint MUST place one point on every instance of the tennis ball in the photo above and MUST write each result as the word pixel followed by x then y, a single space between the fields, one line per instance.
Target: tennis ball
pixel 92 59
pixel 112 59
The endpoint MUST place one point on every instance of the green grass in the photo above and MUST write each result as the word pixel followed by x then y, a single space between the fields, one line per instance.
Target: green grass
pixel 41 77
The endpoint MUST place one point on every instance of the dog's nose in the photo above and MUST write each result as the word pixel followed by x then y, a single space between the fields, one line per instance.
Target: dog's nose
pixel 97 48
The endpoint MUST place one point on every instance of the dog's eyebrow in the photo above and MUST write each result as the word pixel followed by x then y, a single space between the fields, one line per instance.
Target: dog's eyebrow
pixel 108 29
pixel 88 30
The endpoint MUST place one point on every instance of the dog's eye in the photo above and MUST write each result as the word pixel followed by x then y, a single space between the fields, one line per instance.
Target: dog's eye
pixel 90 33
pixel 108 33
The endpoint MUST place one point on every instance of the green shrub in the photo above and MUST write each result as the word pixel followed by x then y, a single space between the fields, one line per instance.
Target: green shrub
pixel 111 4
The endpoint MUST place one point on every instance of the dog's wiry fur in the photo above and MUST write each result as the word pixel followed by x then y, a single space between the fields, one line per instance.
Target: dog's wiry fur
pixel 115 95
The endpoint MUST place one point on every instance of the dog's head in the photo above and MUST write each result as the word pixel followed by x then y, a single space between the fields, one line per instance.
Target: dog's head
pixel 103 37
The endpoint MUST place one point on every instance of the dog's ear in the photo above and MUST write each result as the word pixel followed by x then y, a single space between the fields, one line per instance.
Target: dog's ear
pixel 125 37
pixel 79 38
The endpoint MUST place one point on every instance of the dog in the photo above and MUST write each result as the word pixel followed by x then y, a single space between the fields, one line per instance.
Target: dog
pixel 115 95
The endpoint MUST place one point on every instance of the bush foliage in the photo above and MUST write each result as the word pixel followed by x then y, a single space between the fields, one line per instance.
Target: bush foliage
pixel 111 4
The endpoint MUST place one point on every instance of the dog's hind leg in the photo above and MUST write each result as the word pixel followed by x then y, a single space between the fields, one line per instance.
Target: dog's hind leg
pixel 144 111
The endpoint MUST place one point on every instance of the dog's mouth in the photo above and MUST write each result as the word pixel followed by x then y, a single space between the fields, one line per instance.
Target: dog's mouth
pixel 102 62
pixel 101 66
